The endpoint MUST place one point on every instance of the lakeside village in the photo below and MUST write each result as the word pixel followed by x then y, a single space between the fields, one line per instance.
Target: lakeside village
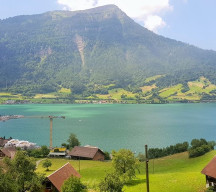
pixel 63 178
pixel 9 147
pixel 15 153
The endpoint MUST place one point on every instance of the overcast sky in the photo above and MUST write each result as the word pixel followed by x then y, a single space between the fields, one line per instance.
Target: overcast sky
pixel 190 21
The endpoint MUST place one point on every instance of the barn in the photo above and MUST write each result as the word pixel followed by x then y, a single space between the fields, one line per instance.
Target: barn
pixel 87 153
pixel 54 182
pixel 210 172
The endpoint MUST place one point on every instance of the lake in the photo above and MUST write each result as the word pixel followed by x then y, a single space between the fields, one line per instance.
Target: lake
pixel 112 126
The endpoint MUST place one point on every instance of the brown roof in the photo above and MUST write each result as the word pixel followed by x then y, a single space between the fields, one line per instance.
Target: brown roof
pixel 210 169
pixel 3 141
pixel 87 152
pixel 9 152
pixel 59 176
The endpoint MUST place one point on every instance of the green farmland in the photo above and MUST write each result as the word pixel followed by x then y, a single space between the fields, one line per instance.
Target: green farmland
pixel 176 173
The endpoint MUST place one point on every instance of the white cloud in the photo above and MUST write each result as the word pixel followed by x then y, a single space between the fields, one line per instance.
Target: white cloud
pixel 153 22
pixel 146 12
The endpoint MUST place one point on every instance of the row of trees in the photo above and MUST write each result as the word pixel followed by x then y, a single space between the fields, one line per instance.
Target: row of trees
pixel 43 151
pixel 196 148
pixel 200 147
pixel 170 150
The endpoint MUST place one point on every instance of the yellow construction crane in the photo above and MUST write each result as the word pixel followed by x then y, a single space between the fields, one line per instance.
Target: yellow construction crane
pixel 51 123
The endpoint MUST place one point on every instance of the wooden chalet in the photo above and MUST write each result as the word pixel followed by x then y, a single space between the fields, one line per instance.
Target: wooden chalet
pixel 54 182
pixel 8 152
pixel 87 153
pixel 210 172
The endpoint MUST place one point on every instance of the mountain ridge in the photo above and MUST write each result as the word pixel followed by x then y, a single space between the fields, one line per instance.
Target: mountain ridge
pixel 44 52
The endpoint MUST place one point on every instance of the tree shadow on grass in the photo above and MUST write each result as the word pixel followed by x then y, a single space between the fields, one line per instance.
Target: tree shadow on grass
pixel 136 182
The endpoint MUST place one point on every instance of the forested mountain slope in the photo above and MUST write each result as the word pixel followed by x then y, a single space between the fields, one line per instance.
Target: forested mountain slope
pixel 100 46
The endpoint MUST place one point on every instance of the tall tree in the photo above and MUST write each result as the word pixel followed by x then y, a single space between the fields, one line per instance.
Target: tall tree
pixel 22 169
pixel 7 183
pixel 73 141
pixel 125 164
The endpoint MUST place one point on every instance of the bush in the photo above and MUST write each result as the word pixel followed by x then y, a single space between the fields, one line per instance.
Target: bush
pixel 210 189
pixel 73 184
pixel 111 183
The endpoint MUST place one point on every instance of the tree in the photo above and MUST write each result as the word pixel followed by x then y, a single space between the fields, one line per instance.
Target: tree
pixel 22 170
pixel 44 151
pixel 73 184
pixel 198 143
pixel 73 141
pixel 7 183
pixel 111 183
pixel 46 164
pixel 106 155
pixel 35 185
pixel 125 164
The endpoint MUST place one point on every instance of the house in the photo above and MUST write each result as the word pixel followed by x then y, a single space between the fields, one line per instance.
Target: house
pixel 87 153
pixel 58 152
pixel 3 141
pixel 210 172
pixel 54 182
pixel 8 152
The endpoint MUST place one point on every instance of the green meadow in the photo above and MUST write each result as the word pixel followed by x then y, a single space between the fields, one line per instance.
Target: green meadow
pixel 176 173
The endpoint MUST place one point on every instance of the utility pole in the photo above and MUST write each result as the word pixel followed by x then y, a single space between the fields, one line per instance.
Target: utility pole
pixel 147 172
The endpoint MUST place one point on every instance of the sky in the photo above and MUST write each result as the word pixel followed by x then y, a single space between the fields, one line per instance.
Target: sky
pixel 189 21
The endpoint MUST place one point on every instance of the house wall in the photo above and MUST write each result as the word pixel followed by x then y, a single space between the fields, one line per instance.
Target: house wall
pixel 2 154
pixel 99 156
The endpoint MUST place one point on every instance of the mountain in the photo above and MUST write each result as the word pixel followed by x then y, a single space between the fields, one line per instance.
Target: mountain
pixel 100 46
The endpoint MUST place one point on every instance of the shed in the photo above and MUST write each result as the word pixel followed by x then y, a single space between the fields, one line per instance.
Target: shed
pixel 87 153
pixel 210 172
pixel 8 152
pixel 54 182
pixel 58 152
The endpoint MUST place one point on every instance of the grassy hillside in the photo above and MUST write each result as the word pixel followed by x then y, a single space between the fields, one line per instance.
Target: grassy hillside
pixel 176 173
pixel 198 90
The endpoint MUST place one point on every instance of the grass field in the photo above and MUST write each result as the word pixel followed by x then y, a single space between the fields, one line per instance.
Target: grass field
pixel 176 173
pixel 116 94
pixel 153 78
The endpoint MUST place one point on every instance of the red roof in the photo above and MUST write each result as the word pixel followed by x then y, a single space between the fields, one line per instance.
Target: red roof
pixel 210 169
pixel 87 152
pixel 59 176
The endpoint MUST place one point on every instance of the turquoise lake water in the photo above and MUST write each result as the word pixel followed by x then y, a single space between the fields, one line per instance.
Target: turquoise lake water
pixel 113 126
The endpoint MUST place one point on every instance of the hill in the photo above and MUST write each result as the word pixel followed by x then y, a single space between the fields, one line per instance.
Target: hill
pixel 87 51
pixel 172 173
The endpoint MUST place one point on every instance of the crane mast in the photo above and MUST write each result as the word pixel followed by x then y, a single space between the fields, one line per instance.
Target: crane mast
pixel 5 118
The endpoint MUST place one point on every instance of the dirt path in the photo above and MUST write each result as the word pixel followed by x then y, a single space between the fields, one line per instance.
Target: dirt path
pixel 38 162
